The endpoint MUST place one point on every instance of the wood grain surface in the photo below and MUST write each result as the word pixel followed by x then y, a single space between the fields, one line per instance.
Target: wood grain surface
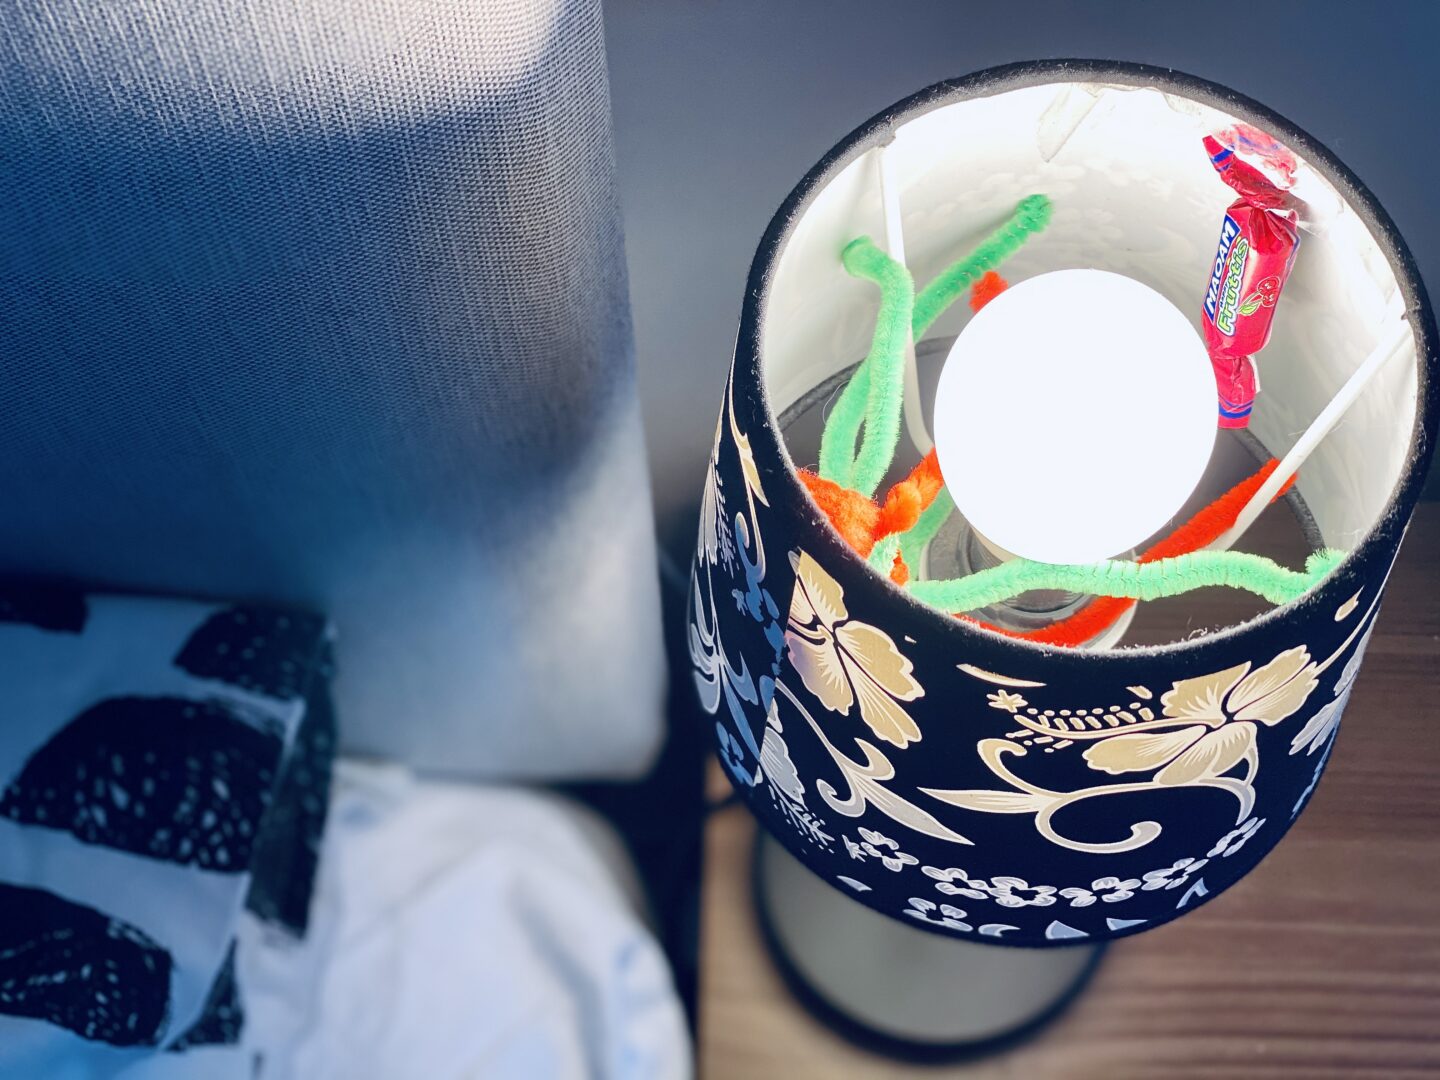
pixel 1324 962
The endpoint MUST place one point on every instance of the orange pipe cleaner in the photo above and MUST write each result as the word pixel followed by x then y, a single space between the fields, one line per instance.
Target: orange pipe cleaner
pixel 860 521
pixel 986 289
pixel 1207 526
pixel 899 572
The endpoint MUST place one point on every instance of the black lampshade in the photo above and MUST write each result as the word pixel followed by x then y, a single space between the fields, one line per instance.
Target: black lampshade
pixel 982 786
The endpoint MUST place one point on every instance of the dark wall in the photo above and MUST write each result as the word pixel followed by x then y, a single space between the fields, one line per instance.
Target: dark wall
pixel 722 105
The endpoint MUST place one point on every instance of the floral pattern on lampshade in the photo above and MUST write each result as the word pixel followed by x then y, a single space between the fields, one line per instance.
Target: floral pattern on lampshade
pixel 977 787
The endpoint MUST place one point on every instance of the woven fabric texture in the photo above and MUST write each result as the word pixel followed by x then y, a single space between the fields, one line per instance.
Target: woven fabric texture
pixel 323 302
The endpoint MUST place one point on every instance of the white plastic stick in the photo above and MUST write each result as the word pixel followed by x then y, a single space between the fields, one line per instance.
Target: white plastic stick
pixel 1389 347
pixel 895 248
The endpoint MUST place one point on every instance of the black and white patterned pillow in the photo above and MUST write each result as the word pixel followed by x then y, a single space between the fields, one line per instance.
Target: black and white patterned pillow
pixel 163 764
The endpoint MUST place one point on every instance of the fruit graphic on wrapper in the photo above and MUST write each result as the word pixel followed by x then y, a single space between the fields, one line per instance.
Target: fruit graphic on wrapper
pixel 1267 291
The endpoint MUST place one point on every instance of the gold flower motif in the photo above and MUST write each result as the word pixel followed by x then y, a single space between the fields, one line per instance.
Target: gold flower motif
pixel 1224 709
pixel 844 661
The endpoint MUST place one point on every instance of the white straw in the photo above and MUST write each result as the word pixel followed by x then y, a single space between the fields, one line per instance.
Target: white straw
pixel 895 247
pixel 1389 347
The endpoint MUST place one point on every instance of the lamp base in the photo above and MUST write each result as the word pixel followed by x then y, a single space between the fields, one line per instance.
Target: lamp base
pixel 901 991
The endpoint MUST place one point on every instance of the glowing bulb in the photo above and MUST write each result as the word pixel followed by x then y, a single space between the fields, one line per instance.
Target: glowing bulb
pixel 1074 416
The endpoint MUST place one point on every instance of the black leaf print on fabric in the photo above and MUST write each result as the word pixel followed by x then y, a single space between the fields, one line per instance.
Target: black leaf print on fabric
pixel 47 607
pixel 286 854
pixel 266 652
pixel 164 777
pixel 70 965
pixel 223 1017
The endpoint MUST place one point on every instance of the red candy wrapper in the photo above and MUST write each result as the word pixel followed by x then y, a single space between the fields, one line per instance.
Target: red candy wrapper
pixel 1258 241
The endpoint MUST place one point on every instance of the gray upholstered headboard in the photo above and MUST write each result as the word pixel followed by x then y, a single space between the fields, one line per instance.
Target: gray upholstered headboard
pixel 323 302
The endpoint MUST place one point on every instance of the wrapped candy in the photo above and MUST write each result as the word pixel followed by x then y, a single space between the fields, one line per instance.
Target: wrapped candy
pixel 1258 241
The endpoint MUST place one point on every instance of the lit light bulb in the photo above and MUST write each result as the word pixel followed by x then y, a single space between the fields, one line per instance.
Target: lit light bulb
pixel 1075 415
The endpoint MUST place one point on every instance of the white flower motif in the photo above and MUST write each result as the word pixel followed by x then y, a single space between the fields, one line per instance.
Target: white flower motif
pixel 1314 781
pixel 1317 731
pixel 775 763
pixel 879 846
pixel 715 543
pixel 1235 839
pixel 1108 889
pixel 945 882
pixel 1006 701
pixel 1015 892
pixel 1173 876
pixel 1111 889
pixel 787 791
pixel 939 914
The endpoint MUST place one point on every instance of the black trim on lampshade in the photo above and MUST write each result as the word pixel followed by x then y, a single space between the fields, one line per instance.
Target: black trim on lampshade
pixel 987 787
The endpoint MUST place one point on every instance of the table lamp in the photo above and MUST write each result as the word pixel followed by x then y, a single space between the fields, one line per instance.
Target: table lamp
pixel 1043 536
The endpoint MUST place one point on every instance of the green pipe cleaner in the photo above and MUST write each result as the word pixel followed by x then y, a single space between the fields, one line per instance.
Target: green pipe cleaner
pixel 1030 217
pixel 913 541
pixel 877 409
pixel 1137 581
pixel 876 405
pixel 882 555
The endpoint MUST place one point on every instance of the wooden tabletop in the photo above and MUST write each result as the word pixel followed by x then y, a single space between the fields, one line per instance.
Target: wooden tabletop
pixel 1324 962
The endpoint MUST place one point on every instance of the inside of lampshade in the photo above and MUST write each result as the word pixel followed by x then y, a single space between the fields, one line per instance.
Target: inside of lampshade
pixel 1133 193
